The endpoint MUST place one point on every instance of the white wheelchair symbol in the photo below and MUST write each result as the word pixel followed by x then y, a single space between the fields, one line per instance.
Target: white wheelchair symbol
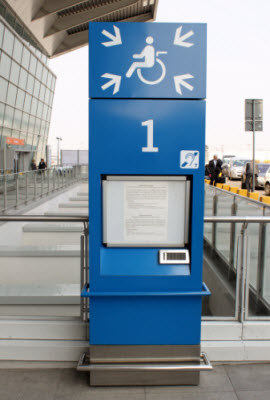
pixel 150 58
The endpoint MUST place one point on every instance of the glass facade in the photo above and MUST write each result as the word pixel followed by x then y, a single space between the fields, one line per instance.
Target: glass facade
pixel 26 90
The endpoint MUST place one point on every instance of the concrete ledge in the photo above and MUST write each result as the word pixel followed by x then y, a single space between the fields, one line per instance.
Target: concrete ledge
pixel 79 198
pixel 40 294
pixel 70 213
pixel 73 205
pixel 82 194
pixel 52 227
pixel 40 251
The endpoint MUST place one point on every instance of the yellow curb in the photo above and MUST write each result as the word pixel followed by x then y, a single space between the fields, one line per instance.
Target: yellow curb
pixel 233 189
pixel 254 196
pixel 242 192
pixel 226 187
pixel 265 199
pixel 207 181
pixel 219 185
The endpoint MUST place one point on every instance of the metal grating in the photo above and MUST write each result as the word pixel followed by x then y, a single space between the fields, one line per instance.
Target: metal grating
pixel 134 10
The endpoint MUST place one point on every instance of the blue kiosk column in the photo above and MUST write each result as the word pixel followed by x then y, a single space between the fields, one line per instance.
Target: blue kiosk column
pixel 146 186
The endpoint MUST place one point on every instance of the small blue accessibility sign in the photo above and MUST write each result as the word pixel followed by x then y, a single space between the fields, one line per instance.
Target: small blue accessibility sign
pixel 146 60
pixel 189 159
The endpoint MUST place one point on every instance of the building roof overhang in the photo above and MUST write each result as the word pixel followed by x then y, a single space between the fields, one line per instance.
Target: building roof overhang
pixel 60 26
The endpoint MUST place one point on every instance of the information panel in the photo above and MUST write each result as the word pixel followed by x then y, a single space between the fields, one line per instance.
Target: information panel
pixel 144 212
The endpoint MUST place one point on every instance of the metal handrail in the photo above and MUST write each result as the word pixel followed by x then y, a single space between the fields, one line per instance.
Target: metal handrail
pixel 43 218
pixel 236 219
pixel 238 196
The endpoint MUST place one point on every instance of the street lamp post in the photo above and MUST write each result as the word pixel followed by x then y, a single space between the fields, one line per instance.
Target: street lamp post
pixel 58 150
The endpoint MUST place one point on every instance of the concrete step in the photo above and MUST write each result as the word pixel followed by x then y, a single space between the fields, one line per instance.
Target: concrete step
pixel 82 194
pixel 52 300
pixel 79 198
pixel 56 264
pixel 67 211
pixel 51 234
pixel 74 205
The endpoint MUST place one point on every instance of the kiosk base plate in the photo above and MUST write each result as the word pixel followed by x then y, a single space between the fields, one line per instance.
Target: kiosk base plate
pixel 144 365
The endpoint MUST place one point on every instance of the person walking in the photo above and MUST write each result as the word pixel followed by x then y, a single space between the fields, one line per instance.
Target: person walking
pixel 249 175
pixel 42 164
pixel 33 165
pixel 214 169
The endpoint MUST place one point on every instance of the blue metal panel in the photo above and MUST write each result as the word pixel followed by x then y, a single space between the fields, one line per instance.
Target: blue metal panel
pixel 117 138
pixel 172 63
pixel 145 320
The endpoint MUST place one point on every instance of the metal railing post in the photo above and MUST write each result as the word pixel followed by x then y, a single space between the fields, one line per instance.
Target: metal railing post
pixel 82 281
pixel 17 189
pixel 54 171
pixel 5 192
pixel 243 274
pixel 35 185
pixel 26 187
pixel 48 173
pixel 232 237
pixel 214 229
pixel 261 266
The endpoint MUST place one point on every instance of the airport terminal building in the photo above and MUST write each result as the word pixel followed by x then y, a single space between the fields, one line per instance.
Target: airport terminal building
pixel 26 96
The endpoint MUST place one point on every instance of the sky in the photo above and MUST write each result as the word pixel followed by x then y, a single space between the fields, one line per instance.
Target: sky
pixel 238 68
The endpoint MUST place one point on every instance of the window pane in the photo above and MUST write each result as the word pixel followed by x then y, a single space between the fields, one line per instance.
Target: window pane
pixel 27 103
pixel 8 118
pixel 47 96
pixel 2 109
pixel 5 65
pixel 33 64
pixel 37 126
pixel 20 99
pixel 8 42
pixel 45 112
pixel 1 33
pixel 15 134
pixel 42 129
pixel 23 79
pixel 31 125
pixel 49 114
pixel 25 120
pixel 36 88
pixel 11 96
pixel 42 92
pixel 30 84
pixel 53 83
pixel 34 106
pixel 26 58
pixel 49 82
pixel 45 76
pixel 29 139
pixel 51 99
pixel 17 119
pixel 39 70
pixel 3 91
pixel 39 109
pixel 15 72
pixel 17 53
pixel 35 140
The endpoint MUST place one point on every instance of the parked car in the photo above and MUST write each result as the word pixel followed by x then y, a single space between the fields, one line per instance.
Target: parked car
pixel 225 163
pixel 236 165
pixel 267 182
pixel 260 171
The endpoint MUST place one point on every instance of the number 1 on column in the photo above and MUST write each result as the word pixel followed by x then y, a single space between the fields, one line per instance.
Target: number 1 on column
pixel 150 137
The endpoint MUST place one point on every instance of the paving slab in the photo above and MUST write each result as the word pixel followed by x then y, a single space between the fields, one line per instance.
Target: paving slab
pixel 253 377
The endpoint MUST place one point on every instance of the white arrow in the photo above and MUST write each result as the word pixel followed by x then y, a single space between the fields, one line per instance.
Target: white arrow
pixel 180 80
pixel 180 40
pixel 116 38
pixel 114 80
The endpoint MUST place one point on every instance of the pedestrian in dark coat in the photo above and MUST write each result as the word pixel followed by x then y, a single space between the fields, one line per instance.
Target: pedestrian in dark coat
pixel 215 169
